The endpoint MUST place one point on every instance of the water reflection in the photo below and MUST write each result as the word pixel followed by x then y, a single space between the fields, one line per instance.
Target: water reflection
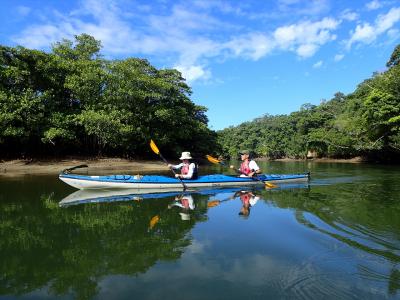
pixel 296 242
pixel 185 203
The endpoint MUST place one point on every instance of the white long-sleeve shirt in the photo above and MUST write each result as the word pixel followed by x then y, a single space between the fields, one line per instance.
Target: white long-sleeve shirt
pixel 189 175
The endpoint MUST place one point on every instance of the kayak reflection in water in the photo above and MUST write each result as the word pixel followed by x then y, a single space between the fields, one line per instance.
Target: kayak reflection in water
pixel 248 201
pixel 186 203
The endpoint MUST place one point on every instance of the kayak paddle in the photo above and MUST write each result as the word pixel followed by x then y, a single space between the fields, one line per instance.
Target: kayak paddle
pixel 154 220
pixel 154 147
pixel 213 203
pixel 217 161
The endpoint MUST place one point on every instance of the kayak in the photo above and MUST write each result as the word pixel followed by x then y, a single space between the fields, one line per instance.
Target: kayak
pixel 122 195
pixel 163 182
pixel 88 196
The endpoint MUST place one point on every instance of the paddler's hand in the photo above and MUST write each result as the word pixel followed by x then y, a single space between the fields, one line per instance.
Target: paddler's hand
pixel 232 167
pixel 170 166
pixel 177 176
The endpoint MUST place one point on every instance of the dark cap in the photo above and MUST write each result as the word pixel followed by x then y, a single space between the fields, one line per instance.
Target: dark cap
pixel 244 152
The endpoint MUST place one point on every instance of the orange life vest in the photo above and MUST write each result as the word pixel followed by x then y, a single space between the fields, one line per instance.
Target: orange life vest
pixel 244 167
pixel 185 169
pixel 245 198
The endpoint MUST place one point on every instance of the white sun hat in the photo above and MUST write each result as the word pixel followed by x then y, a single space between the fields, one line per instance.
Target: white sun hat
pixel 185 155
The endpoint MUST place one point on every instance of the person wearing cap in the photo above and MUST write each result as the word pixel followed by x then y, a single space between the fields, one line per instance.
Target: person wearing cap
pixel 248 167
pixel 248 200
pixel 188 168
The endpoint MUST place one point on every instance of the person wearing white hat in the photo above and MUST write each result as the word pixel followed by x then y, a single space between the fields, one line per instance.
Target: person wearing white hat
pixel 188 168
pixel 186 203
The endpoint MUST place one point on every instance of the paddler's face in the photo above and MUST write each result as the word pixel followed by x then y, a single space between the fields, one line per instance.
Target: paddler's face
pixel 244 156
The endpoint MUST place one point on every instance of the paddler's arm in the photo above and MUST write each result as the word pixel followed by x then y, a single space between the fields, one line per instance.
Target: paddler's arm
pixel 255 169
pixel 175 166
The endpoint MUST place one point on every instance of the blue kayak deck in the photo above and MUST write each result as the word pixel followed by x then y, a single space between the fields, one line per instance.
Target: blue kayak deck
pixel 215 178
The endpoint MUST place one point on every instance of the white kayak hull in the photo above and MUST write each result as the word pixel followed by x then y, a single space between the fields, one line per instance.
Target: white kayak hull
pixel 164 182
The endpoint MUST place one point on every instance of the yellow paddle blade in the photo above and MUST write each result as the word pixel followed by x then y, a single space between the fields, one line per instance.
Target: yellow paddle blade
pixel 154 220
pixel 154 147
pixel 212 159
pixel 213 203
pixel 270 185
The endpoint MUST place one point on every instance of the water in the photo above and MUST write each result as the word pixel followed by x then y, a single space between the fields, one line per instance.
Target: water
pixel 336 238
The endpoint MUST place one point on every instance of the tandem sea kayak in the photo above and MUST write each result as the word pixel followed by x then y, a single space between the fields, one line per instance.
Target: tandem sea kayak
pixel 164 182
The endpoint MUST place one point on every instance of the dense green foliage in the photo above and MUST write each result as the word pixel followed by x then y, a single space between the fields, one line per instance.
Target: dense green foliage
pixel 363 123
pixel 73 101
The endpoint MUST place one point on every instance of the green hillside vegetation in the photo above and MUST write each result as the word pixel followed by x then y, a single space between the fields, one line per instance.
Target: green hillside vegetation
pixel 364 123
pixel 72 101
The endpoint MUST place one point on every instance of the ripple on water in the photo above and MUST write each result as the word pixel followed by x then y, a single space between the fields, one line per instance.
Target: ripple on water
pixel 308 283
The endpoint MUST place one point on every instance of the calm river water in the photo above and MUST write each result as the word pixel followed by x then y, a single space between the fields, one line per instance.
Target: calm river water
pixel 337 237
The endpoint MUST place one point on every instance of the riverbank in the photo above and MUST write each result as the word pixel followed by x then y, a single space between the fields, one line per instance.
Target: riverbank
pixel 100 166
pixel 107 165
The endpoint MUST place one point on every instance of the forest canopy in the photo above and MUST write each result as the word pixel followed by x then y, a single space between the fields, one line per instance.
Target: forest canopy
pixel 72 101
pixel 364 123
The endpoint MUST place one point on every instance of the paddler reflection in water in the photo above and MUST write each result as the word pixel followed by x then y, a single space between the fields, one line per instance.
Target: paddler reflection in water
pixel 248 201
pixel 187 167
pixel 186 203
pixel 248 167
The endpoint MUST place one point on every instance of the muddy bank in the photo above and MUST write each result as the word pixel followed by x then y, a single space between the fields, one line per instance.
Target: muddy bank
pixel 109 165
pixel 100 166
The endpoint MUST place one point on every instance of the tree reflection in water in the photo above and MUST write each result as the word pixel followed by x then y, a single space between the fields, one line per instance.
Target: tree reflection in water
pixel 71 249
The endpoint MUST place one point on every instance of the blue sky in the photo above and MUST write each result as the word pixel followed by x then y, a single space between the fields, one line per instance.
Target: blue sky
pixel 243 59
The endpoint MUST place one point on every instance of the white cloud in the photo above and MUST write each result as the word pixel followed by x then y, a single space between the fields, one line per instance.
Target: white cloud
pixel 367 33
pixel 306 37
pixel 298 7
pixel 306 50
pixel 193 73
pixel 375 4
pixel 39 36
pixel 318 64
pixel 349 15
pixel 338 57
pixel 253 46
pixel 185 37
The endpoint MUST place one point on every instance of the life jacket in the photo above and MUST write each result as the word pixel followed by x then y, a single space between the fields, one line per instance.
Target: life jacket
pixel 245 198
pixel 244 167
pixel 185 170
